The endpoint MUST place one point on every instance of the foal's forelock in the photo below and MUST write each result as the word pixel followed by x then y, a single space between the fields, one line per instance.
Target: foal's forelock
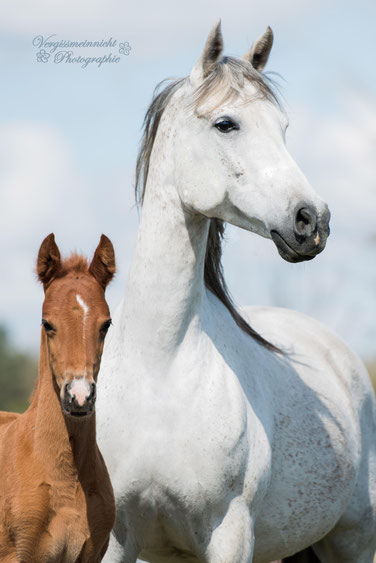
pixel 225 83
pixel 75 263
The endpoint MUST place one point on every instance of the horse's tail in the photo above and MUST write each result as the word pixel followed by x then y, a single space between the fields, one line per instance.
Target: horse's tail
pixel 305 556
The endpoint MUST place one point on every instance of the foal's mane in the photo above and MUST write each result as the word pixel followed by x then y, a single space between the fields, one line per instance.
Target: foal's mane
pixel 223 84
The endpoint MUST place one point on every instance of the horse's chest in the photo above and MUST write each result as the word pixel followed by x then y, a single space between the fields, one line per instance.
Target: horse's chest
pixel 200 443
pixel 194 460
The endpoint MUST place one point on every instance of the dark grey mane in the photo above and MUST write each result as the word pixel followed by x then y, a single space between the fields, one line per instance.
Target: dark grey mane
pixel 224 83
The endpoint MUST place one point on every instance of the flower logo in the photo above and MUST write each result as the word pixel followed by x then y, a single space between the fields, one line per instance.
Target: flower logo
pixel 43 56
pixel 124 48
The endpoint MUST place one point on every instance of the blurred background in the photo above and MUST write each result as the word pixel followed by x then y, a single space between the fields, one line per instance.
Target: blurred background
pixel 69 137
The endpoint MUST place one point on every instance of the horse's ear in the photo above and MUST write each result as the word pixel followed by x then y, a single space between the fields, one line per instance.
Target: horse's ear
pixel 210 56
pixel 103 266
pixel 49 262
pixel 259 53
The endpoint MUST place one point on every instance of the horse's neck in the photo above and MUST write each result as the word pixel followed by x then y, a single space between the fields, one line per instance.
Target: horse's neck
pixel 165 285
pixel 64 446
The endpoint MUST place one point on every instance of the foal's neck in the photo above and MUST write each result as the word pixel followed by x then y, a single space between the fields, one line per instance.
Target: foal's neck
pixel 64 445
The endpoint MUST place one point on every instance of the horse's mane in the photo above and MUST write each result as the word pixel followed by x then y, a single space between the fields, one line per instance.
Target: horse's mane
pixel 223 84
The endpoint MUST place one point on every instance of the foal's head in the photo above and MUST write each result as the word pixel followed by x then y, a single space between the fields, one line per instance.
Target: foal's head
pixel 75 320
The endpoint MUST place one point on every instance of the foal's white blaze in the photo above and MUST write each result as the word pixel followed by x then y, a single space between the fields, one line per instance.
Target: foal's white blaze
pixel 85 309
pixel 82 304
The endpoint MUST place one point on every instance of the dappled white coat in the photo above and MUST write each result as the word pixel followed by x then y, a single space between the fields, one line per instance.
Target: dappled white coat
pixel 218 449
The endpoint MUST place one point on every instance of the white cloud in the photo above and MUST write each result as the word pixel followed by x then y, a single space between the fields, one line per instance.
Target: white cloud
pixel 154 29
pixel 19 16
pixel 338 151
pixel 41 191
pixel 35 166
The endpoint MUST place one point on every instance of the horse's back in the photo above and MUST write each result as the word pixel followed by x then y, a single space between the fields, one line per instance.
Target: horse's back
pixel 311 347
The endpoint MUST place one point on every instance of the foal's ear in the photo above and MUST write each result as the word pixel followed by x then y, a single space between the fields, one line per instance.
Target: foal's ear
pixel 210 56
pixel 259 53
pixel 103 264
pixel 49 262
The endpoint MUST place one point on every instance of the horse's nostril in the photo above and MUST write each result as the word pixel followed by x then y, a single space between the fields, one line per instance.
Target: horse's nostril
pixel 305 222
pixel 303 218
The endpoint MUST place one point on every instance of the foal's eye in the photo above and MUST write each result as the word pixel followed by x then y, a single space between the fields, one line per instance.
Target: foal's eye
pixel 225 125
pixel 47 326
pixel 105 326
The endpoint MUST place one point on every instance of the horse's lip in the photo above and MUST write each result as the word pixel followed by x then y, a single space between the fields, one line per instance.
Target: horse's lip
pixel 285 250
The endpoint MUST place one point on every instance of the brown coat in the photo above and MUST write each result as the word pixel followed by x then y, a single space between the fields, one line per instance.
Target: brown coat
pixel 56 499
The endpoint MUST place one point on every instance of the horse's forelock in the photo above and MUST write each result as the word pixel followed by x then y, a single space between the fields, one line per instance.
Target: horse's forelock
pixel 227 82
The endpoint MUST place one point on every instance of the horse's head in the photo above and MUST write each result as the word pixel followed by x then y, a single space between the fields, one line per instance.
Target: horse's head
pixel 231 162
pixel 75 320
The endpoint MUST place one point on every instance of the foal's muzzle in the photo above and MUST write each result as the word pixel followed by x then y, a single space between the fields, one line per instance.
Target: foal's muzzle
pixel 79 397
pixel 306 237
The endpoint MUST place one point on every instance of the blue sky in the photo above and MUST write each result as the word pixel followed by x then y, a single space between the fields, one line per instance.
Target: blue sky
pixel 69 138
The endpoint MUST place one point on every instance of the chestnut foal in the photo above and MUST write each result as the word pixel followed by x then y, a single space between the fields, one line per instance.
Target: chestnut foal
pixel 56 499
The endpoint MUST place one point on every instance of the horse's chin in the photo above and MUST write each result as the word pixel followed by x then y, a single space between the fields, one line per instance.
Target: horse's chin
pixel 288 253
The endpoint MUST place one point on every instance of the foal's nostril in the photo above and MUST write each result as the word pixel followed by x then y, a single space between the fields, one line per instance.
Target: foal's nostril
pixel 305 223
pixel 67 394
pixel 93 392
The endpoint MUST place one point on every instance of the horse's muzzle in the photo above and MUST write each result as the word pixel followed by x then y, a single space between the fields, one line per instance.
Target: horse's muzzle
pixel 79 397
pixel 306 238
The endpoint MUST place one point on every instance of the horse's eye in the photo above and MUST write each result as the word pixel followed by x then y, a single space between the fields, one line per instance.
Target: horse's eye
pixel 47 326
pixel 105 326
pixel 225 125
